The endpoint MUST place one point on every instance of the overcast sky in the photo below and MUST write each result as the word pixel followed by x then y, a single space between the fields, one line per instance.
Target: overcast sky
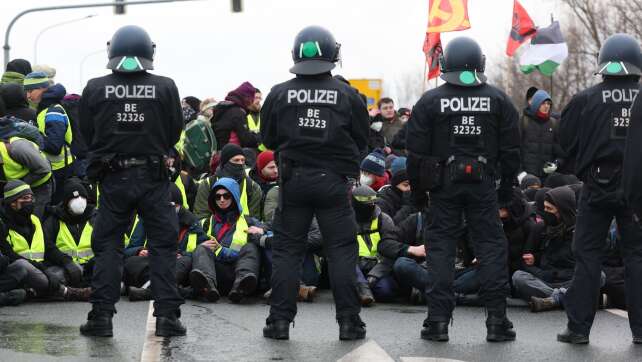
pixel 208 50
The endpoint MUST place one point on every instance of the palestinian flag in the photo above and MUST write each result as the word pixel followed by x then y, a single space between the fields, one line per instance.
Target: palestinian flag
pixel 546 51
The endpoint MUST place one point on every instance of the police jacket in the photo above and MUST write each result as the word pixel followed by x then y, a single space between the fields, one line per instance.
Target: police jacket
pixel 632 178
pixel 465 122
pixel 316 121
pixel 594 123
pixel 51 228
pixel 136 114
pixel 540 143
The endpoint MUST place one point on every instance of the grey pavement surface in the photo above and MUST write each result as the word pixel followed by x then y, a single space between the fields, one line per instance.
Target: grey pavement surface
pixel 227 332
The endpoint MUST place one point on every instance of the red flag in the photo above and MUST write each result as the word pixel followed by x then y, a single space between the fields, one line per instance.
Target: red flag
pixel 432 49
pixel 523 28
pixel 447 15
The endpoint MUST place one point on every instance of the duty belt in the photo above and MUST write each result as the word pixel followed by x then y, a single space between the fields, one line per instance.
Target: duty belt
pixel 481 159
pixel 123 163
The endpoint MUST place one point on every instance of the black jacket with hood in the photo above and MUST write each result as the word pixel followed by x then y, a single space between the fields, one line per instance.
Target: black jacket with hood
pixel 16 103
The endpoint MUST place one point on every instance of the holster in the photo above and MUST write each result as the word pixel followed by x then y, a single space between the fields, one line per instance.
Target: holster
pixel 605 173
pixel 98 167
pixel 466 169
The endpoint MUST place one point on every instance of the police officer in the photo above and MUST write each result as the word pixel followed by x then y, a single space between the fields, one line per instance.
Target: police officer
pixel 319 129
pixel 131 120
pixel 461 137
pixel 593 131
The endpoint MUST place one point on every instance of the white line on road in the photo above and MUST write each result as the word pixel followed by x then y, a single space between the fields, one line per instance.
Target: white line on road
pixel 619 312
pixel 152 346
pixel 367 352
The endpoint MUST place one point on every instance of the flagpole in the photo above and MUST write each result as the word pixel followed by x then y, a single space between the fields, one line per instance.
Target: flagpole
pixel 552 20
pixel 424 78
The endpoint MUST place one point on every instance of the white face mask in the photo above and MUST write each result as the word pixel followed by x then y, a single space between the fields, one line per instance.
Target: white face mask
pixel 366 180
pixel 376 126
pixel 77 205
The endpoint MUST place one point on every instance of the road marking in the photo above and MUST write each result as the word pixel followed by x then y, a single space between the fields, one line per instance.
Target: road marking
pixel 428 359
pixel 152 346
pixel 619 312
pixel 367 352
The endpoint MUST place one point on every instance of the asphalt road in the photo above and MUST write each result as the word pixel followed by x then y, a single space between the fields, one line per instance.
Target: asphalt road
pixel 227 332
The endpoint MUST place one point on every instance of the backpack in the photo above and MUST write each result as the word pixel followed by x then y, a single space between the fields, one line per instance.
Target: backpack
pixel 199 144
pixel 15 127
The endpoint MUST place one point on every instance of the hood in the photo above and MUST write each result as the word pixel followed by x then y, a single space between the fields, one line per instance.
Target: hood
pixel 529 180
pixel 538 98
pixel 539 199
pixel 52 95
pixel 232 187
pixel 13 96
pixel 519 209
pixel 564 199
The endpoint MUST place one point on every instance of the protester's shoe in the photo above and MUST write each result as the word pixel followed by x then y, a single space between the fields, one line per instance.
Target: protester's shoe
pixel 276 329
pixel 203 286
pixel 351 328
pixel 499 329
pixel 77 294
pixel 365 294
pixel 568 336
pixel 242 287
pixel 435 331
pixel 98 324
pixel 417 297
pixel 169 326
pixel 13 297
pixel 637 340
pixel 139 294
pixel 307 293
pixel 542 304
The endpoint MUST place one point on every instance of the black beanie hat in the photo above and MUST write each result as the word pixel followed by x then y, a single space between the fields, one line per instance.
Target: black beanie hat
pixel 230 150
pixel 73 188
pixel 21 66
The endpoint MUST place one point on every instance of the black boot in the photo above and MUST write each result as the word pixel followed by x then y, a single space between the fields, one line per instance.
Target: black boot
pixel 351 328
pixel 242 287
pixel 139 294
pixel 98 323
pixel 365 294
pixel 169 326
pixel 435 331
pixel 203 286
pixel 568 336
pixel 276 329
pixel 499 328
pixel 13 297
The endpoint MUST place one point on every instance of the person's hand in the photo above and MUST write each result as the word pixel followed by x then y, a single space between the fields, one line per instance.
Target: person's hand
pixel 549 167
pixel 529 259
pixel 417 251
pixel 212 244
pixel 143 252
pixel 255 230
pixel 178 255
pixel 374 112
pixel 387 150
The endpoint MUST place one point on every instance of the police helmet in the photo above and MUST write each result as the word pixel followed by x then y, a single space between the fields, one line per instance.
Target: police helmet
pixel 315 51
pixel 620 56
pixel 462 63
pixel 130 50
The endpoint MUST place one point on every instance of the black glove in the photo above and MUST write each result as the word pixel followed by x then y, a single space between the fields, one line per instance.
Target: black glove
pixel 73 273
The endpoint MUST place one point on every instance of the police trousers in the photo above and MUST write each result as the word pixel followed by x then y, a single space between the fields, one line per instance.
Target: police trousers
pixel 478 203
pixel 122 193
pixel 307 193
pixel 594 217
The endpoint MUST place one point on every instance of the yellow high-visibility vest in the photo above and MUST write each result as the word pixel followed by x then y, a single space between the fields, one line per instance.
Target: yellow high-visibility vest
pixel 34 251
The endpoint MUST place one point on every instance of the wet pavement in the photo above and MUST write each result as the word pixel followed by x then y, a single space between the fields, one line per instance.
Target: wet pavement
pixel 227 332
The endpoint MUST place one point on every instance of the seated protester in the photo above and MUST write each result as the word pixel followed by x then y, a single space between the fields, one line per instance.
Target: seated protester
pixel 23 160
pixel 376 140
pixel 11 278
pixel 265 174
pixel 540 195
pixel 373 170
pixel 229 262
pixel 185 183
pixel 22 241
pixel 394 199
pixel 230 118
pixel 549 273
pixel 518 221
pixel 529 185
pixel 376 237
pixel 136 270
pixel 232 165
pixel 68 231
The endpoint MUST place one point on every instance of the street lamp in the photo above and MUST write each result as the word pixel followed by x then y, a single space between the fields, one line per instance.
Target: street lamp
pixel 35 43
pixel 84 59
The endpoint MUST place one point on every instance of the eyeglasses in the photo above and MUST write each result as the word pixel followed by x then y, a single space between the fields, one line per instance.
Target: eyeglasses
pixel 225 196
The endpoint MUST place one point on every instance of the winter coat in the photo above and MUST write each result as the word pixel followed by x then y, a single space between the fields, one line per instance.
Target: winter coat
pixel 56 122
pixel 518 228
pixel 387 248
pixel 392 202
pixel 231 118
pixel 16 103
pixel 51 227
pixel 254 197
pixel 539 143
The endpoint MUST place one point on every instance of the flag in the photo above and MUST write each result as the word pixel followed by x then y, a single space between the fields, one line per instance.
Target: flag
pixel 523 28
pixel 546 51
pixel 432 49
pixel 447 15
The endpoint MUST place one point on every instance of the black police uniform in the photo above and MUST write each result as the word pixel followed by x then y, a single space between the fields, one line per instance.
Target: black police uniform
pixel 632 173
pixel 593 131
pixel 458 137
pixel 319 128
pixel 131 121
